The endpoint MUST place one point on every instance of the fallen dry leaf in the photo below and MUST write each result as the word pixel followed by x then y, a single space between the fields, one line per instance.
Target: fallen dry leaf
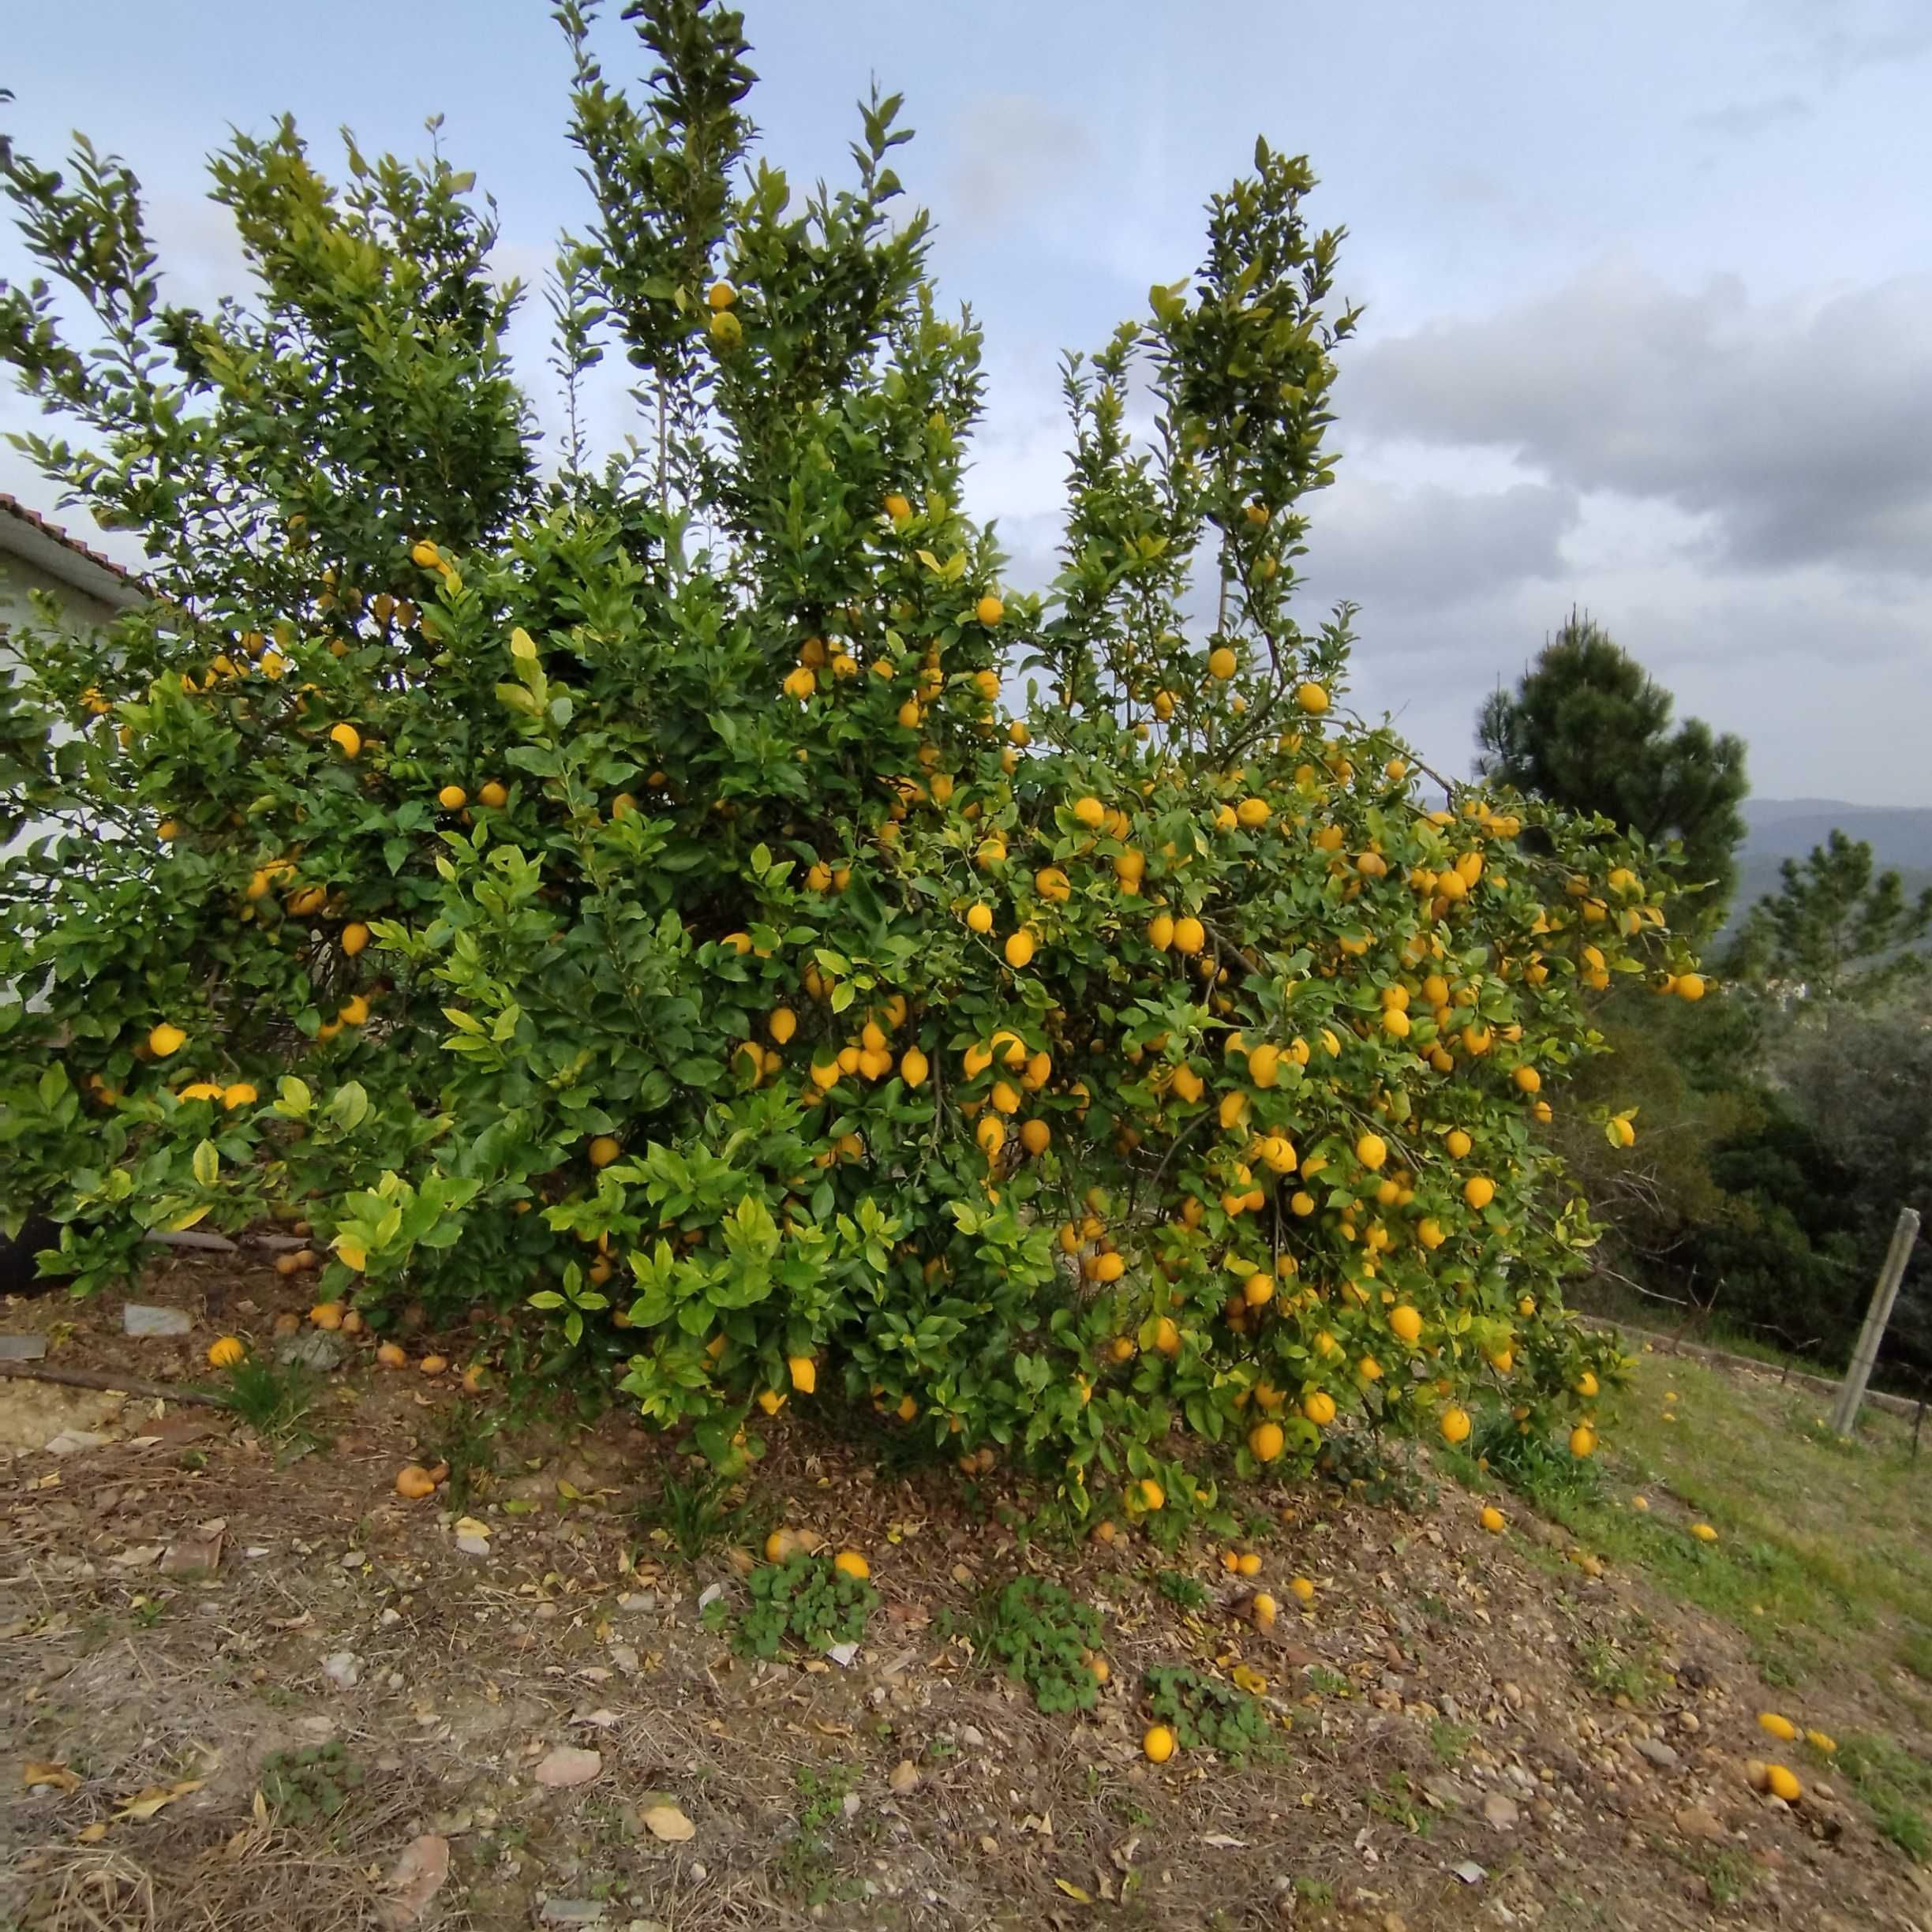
pixel 415 1879
pixel 569 1764
pixel 1074 1891
pixel 144 1805
pixel 905 1777
pixel 666 1822
pixel 57 1775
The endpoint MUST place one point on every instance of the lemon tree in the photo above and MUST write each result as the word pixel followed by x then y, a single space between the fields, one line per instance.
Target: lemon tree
pixel 692 902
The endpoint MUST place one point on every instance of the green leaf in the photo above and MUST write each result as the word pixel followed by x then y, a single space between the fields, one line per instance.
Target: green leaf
pixel 207 1163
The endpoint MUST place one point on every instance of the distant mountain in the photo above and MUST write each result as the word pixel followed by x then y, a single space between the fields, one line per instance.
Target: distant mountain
pixel 1901 837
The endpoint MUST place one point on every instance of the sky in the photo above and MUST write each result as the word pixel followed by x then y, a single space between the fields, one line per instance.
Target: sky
pixel 1648 287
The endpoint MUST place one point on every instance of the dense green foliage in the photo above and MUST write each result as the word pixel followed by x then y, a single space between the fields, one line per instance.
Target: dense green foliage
pixel 692 905
pixel 1587 729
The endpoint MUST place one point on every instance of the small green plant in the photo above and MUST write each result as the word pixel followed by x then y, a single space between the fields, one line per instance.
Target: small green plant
pixel 693 1516
pixel 1396 1799
pixel 1202 1712
pixel 1915 1654
pixel 1447 1742
pixel 310 1786
pixel 803 1600
pixel 272 1400
pixel 1895 1784
pixel 1316 1892
pixel 1326 1682
pixel 1545 1472
pixel 1608 1672
pixel 806 1861
pixel 1179 1588
pixel 468 1444
pixel 1045 1640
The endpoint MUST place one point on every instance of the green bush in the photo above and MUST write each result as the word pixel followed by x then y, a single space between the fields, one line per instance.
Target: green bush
pixel 692 901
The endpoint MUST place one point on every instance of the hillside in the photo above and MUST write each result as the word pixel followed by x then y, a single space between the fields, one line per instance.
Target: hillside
pixel 1901 837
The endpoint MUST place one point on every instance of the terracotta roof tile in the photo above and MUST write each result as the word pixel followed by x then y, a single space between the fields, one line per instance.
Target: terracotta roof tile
pixel 12 506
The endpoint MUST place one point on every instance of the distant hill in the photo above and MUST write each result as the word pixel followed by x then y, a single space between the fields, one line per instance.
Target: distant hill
pixel 1901 837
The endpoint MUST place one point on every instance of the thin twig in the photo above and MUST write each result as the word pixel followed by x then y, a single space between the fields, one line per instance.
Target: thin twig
pixel 116 1384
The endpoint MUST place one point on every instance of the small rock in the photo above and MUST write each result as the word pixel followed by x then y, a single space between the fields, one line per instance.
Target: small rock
pixel 972 1737
pixel 1444 1792
pixel 415 1879
pixel 1657 1752
pixel 851 1804
pixel 22 1347
pixel 343 1669
pixel 567 1765
pixel 317 1350
pixel 1695 1821
pixel 842 1654
pixel 138 1318
pixel 625 1656
pixel 390 1618
pixel 1688 1720
pixel 575 1912
pixel 72 1442
pixel 666 1822
pixel 352 1560
pixel 638 1601
pixel 1469 1872
pixel 1500 1812
pixel 905 1779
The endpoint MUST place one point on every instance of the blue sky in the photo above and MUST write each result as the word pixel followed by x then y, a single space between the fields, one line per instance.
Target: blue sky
pixel 1648 287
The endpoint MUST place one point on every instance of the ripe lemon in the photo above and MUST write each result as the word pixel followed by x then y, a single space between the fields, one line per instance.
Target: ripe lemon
pixel 1312 698
pixel 1704 1532
pixel 1189 934
pixel 1221 662
pixel 849 1563
pixel 1479 1191
pixel 1406 1322
pixel 1035 1137
pixel 355 936
pixel 1157 1743
pixel 1264 1065
pixel 1528 1079
pixel 1160 932
pixel 452 798
pixel 226 1352
pixel 1779 1728
pixel 346 739
pixel 165 1039
pixel 604 1149
pixel 1303 1589
pixel 1586 1384
pixel 1582 1439
pixel 1318 1406
pixel 1689 986
pixel 913 1067
pixel 1019 949
pixel 989 610
pixel 1372 1151
pixel 493 795
pixel 979 917
pixel 1458 1144
pixel 1266 1441
pixel 1090 812
pixel 1783 1783
pixel 1492 1520
pixel 1454 1426
pixel 1149 1494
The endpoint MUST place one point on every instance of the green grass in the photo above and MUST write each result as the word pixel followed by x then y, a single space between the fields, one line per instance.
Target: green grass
pixel 1895 1784
pixel 273 1401
pixel 1817 1538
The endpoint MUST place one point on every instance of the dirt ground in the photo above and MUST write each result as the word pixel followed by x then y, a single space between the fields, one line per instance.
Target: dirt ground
pixel 245 1685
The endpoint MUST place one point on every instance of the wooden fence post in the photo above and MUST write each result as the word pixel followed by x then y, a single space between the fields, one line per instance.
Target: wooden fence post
pixel 1851 1390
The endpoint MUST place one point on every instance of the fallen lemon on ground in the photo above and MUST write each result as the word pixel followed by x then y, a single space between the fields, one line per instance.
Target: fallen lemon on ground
pixel 1157 1743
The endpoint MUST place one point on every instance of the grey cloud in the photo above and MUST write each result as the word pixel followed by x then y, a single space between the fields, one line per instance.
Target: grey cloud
pixel 1797 436
pixel 1744 119
pixel 1012 152
pixel 1420 548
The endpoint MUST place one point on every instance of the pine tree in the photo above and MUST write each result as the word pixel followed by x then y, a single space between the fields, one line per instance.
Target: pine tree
pixel 1835 929
pixel 1588 728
